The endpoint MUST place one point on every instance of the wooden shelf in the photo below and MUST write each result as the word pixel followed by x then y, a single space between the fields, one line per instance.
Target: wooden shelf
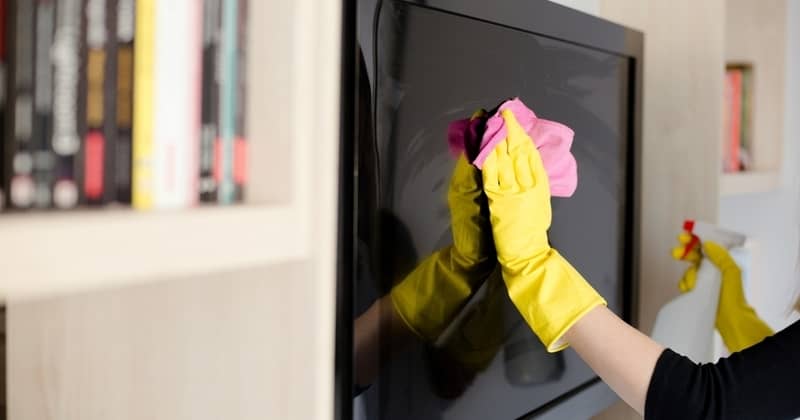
pixel 46 253
pixel 748 182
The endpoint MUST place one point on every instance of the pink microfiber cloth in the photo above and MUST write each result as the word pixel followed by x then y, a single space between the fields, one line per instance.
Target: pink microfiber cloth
pixel 552 139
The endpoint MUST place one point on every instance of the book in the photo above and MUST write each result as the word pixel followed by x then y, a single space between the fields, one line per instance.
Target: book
pixel 166 176
pixel 746 127
pixel 43 157
pixel 19 160
pixel 123 109
pixel 240 143
pixel 177 119
pixel 224 153
pixel 733 96
pixel 224 156
pixel 3 38
pixel 96 143
pixel 144 101
pixel 108 88
pixel 67 100
pixel 209 130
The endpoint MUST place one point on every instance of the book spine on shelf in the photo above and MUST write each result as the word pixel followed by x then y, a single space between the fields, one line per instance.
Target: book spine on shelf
pixel 210 99
pixel 193 79
pixel 733 120
pixel 124 28
pixel 228 86
pixel 19 180
pixel 43 157
pixel 4 24
pixel 745 152
pixel 67 88
pixel 177 103
pixel 240 138
pixel 144 102
pixel 95 140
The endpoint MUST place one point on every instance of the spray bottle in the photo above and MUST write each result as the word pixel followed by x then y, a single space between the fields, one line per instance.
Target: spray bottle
pixel 686 323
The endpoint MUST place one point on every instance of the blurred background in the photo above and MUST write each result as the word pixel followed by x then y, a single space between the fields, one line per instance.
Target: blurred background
pixel 168 232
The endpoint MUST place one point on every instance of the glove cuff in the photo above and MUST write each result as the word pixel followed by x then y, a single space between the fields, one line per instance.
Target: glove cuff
pixel 551 296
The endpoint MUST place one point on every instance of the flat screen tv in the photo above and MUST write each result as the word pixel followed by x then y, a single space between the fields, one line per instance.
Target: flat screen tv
pixel 421 65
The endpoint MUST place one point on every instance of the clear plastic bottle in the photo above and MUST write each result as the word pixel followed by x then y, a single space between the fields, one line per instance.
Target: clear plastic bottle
pixel 686 323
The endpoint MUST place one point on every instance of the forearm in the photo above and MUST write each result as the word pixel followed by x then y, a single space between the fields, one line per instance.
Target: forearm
pixel 376 332
pixel 621 355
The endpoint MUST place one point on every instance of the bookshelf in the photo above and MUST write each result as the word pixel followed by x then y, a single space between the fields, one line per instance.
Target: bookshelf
pixel 207 312
pixel 755 42
pixel 55 252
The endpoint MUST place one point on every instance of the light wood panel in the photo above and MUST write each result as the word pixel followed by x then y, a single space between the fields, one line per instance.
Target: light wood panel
pixel 682 130
pixel 235 346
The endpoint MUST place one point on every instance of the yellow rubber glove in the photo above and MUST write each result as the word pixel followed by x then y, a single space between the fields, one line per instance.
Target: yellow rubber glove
pixel 460 355
pixel 481 333
pixel 737 321
pixel 692 256
pixel 549 293
pixel 430 297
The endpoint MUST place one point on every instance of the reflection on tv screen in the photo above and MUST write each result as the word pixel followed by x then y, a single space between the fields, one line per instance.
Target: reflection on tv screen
pixel 452 356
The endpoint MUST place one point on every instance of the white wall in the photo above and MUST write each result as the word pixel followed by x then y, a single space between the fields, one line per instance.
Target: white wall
pixel 772 220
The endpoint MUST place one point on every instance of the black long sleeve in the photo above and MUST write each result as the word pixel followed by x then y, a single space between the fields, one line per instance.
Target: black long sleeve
pixel 761 382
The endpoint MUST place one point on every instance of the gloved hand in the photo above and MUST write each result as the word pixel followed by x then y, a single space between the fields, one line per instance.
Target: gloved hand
pixel 460 354
pixel 688 250
pixel 737 321
pixel 549 293
pixel 430 296
pixel 480 333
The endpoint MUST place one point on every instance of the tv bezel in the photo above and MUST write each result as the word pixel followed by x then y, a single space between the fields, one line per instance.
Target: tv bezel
pixel 539 17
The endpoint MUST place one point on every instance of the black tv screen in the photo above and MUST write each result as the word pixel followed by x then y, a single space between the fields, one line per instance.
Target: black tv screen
pixel 426 67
